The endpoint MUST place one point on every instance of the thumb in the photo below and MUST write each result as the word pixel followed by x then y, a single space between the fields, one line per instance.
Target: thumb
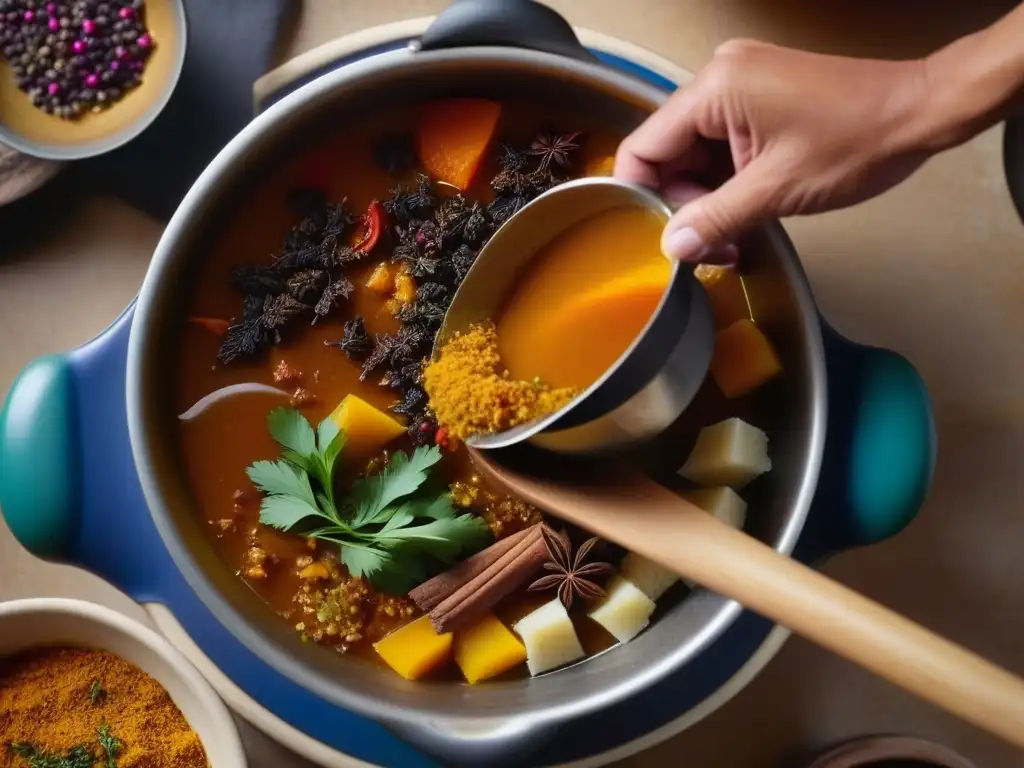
pixel 704 229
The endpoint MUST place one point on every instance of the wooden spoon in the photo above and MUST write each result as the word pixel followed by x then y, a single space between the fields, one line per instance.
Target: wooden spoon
pixel 622 506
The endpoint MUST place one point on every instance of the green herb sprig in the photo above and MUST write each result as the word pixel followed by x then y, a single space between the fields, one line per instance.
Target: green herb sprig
pixel 97 693
pixel 110 744
pixel 77 757
pixel 391 529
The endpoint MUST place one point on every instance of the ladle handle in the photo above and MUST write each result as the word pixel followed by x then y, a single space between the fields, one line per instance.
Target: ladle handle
pixel 835 617
pixel 652 521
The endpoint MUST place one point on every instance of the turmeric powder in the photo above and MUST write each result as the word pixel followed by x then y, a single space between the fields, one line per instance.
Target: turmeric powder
pixel 60 704
pixel 471 394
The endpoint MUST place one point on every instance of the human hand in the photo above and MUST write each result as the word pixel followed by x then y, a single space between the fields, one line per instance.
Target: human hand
pixel 806 133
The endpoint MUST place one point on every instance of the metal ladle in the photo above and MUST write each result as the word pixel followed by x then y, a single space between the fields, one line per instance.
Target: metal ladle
pixel 651 383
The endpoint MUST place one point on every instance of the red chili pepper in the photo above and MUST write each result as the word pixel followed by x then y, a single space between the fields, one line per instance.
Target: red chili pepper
pixel 443 441
pixel 213 324
pixel 374 221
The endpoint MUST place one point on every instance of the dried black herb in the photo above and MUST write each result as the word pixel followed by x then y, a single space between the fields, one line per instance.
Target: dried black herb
pixel 503 207
pixel 278 310
pixel 395 154
pixel 510 158
pixel 244 339
pixel 424 314
pixel 378 355
pixel 355 341
pixel 306 285
pixel 407 346
pixel 332 296
pixel 256 280
pixel 416 203
pixel 551 147
pixel 422 430
pixel 434 293
pixel 412 404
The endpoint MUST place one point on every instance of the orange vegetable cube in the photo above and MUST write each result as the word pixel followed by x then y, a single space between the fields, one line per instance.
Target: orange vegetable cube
pixel 744 359
pixel 367 429
pixel 724 287
pixel 487 649
pixel 454 136
pixel 382 279
pixel 415 649
pixel 405 288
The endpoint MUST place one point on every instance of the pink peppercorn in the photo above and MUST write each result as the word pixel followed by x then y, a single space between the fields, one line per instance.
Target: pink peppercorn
pixel 114 66
pixel 126 13
pixel 51 8
pixel 53 24
pixel 29 16
pixel 78 46
pixel 88 26
pixel 144 41
pixel 91 81
pixel 53 89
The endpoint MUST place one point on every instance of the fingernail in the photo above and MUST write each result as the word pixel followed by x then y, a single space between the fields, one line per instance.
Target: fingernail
pixel 684 244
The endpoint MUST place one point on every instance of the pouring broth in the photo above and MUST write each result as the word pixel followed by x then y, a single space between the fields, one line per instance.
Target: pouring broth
pixel 324 479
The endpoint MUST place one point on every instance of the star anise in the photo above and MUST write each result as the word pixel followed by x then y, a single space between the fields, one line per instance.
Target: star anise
pixel 554 148
pixel 573 577
pixel 354 342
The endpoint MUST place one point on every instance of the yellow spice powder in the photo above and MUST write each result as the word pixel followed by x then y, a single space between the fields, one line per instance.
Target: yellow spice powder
pixel 470 393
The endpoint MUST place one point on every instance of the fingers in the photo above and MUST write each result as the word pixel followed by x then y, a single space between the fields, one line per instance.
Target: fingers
pixel 705 228
pixel 667 136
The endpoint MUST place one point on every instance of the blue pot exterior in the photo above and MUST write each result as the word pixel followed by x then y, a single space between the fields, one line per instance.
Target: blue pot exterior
pixel 69 491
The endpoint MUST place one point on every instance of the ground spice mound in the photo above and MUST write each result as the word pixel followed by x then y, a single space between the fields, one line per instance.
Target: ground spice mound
pixel 58 698
pixel 471 394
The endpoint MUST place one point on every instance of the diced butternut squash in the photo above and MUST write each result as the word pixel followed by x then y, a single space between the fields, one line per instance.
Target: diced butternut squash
pixel 487 649
pixel 315 572
pixel 367 429
pixel 454 136
pixel 415 649
pixel 405 288
pixel 382 279
pixel 724 287
pixel 744 359
pixel 604 165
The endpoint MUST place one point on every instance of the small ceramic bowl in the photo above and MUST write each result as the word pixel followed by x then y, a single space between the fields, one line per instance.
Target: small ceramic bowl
pixel 33 132
pixel 36 622
pixel 891 752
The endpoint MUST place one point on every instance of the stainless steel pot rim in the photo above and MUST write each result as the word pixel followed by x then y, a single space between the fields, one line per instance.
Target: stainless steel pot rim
pixel 207 187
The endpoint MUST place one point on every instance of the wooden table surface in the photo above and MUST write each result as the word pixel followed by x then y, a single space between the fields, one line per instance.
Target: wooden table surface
pixel 933 269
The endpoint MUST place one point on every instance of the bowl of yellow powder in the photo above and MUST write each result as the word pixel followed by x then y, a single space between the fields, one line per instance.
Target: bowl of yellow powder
pixel 81 685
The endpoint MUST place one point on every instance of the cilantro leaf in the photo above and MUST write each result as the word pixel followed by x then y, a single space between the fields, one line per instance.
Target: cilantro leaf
pixel 391 529
pixel 286 512
pixel 371 496
pixel 281 478
pixel 291 429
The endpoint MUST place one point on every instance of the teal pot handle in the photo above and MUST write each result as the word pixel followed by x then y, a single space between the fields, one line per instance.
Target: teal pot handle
pixel 880 448
pixel 40 480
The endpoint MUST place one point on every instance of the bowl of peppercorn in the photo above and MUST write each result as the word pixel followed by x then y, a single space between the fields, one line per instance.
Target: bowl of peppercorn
pixel 82 77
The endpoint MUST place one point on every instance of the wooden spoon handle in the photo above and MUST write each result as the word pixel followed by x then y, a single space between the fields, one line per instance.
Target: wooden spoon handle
pixel 656 523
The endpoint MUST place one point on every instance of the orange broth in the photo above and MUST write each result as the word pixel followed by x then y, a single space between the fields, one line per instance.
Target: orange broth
pixel 584 298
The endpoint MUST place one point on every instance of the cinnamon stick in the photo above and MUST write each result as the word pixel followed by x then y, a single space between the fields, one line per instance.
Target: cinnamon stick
pixel 466 592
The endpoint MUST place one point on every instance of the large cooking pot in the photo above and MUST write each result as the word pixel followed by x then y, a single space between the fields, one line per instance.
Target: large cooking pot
pixel 852 436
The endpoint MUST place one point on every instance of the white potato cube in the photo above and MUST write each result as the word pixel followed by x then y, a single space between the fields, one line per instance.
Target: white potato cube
pixel 549 637
pixel 723 503
pixel 730 453
pixel 649 577
pixel 624 610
